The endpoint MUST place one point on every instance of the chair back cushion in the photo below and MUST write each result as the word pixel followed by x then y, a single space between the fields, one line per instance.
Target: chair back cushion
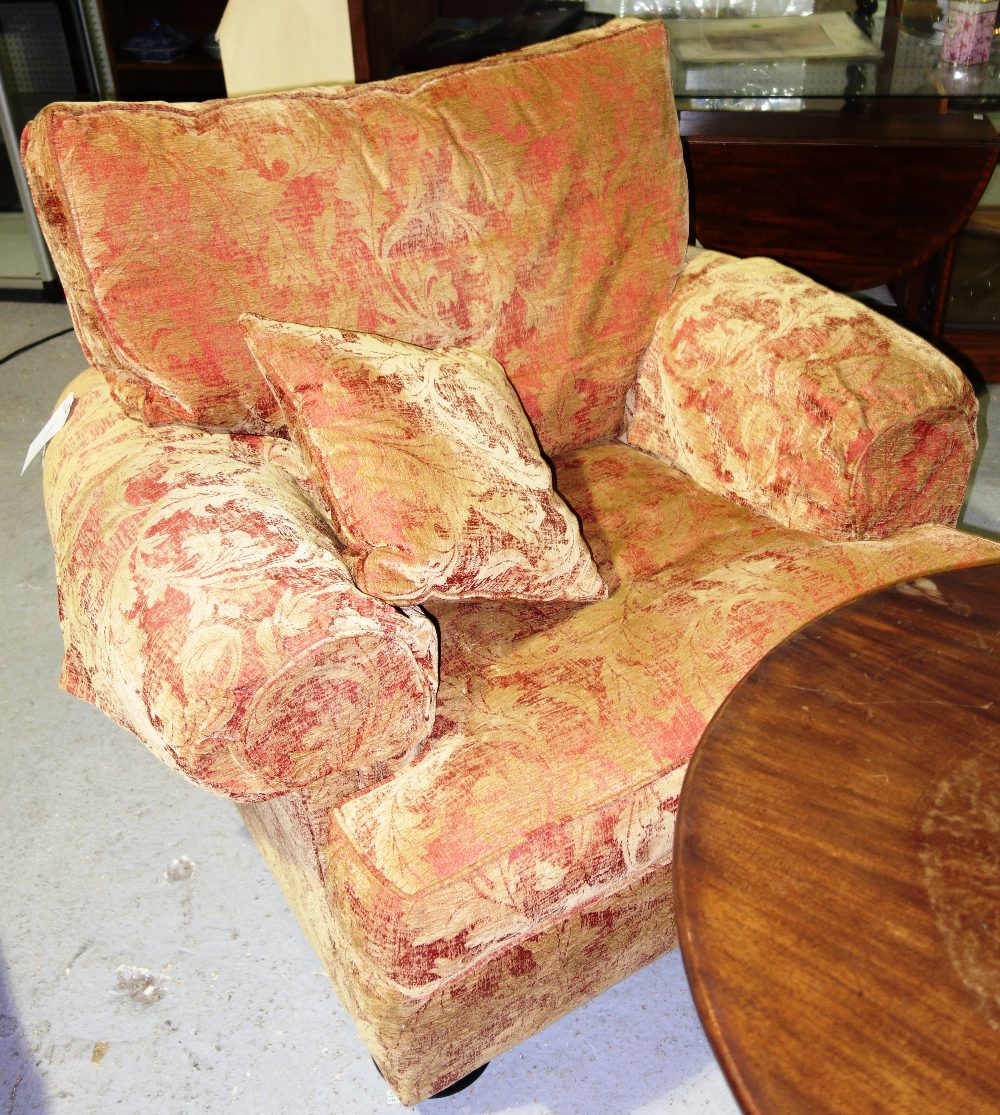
pixel 532 206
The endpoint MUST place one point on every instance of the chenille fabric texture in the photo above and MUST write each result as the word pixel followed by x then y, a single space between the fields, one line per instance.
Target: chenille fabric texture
pixel 586 717
pixel 428 465
pixel 542 813
pixel 804 404
pixel 204 608
pixel 477 846
pixel 419 208
pixel 470 804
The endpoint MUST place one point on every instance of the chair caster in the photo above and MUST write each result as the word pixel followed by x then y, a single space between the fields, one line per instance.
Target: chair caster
pixel 452 1089
pixel 461 1085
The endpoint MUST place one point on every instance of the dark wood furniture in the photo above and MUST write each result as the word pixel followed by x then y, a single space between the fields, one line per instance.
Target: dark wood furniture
pixel 837 861
pixel 856 201
pixel 976 293
pixel 194 77
pixel 877 158
pixel 380 29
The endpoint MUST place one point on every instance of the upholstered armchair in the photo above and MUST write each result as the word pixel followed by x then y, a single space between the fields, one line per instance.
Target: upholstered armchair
pixel 427 497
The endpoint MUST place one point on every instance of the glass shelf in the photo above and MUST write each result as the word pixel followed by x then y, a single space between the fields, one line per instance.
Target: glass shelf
pixel 910 69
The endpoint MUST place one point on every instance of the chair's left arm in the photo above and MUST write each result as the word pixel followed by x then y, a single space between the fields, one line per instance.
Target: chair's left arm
pixel 803 404
pixel 205 607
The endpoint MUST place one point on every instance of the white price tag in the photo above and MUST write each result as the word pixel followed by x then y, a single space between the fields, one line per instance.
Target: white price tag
pixel 49 430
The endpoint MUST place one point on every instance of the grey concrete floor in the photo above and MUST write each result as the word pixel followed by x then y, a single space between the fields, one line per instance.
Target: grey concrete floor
pixel 150 963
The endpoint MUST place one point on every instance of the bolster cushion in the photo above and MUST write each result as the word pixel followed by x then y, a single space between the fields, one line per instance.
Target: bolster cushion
pixel 805 405
pixel 204 607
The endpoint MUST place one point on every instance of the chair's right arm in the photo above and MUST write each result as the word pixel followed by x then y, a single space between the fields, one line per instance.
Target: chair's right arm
pixel 204 607
pixel 803 404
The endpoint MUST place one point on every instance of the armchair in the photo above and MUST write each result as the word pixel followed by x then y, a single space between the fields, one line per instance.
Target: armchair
pixel 464 775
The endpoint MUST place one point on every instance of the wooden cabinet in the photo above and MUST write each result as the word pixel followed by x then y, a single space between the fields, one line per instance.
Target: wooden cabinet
pixel 380 30
pixel 972 322
pixel 194 77
pixel 854 200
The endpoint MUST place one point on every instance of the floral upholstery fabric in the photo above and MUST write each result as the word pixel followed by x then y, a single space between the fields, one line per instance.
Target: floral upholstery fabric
pixel 204 608
pixel 428 465
pixel 424 1041
pixel 476 848
pixel 552 776
pixel 532 206
pixel 803 404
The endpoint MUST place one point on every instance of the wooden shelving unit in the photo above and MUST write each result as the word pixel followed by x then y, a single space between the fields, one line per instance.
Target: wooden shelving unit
pixel 194 77
pixel 380 29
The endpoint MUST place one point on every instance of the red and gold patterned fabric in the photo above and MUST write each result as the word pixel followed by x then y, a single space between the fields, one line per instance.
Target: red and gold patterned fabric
pixel 532 206
pixel 428 466
pixel 804 404
pixel 476 849
pixel 550 784
pixel 204 608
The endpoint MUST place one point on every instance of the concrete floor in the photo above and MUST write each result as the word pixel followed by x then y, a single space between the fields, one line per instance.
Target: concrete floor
pixel 150 963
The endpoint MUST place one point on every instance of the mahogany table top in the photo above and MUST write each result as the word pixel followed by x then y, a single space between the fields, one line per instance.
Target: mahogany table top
pixel 838 861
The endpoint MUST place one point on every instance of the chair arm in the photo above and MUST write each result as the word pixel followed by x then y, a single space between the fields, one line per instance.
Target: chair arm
pixel 803 404
pixel 204 608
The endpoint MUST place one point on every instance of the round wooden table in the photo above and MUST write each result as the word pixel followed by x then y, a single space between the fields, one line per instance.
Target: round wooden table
pixel 838 861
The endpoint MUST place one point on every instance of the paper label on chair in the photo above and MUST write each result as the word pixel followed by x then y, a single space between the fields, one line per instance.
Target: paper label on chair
pixel 49 430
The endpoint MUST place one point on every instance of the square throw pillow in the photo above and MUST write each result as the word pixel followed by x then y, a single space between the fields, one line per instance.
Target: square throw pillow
pixel 428 463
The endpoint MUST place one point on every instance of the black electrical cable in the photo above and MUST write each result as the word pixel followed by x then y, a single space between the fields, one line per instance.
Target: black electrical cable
pixel 34 344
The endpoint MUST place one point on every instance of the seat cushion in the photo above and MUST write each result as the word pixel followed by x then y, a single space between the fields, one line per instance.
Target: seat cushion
pixel 563 732
pixel 533 206
pixel 428 466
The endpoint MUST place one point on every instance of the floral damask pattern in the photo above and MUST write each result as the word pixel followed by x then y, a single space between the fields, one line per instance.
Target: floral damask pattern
pixel 428 466
pixel 563 733
pixel 475 853
pixel 204 608
pixel 532 206
pixel 803 404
